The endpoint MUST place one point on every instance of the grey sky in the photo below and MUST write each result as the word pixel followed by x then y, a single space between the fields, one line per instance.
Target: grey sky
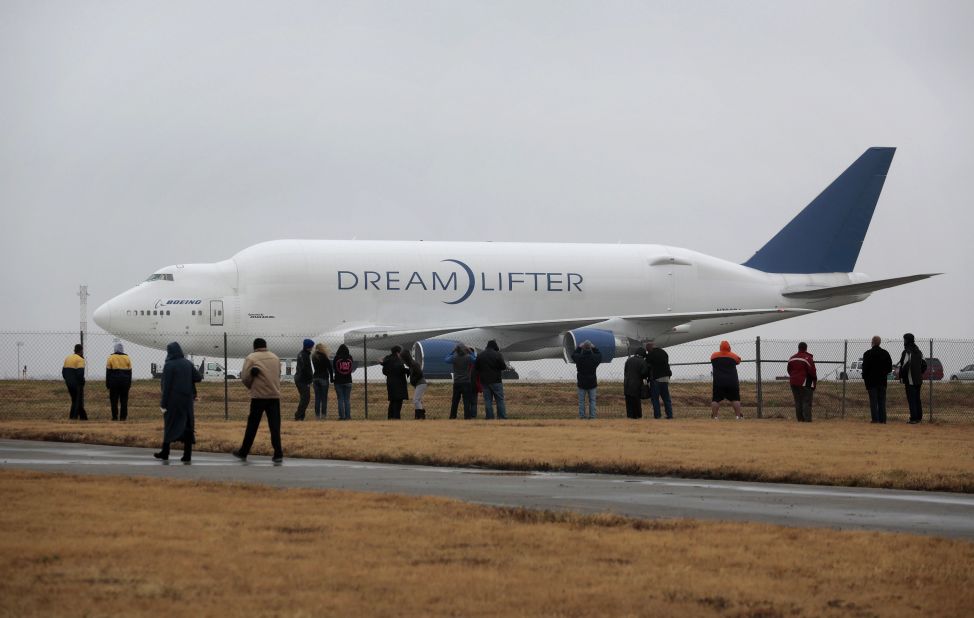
pixel 134 135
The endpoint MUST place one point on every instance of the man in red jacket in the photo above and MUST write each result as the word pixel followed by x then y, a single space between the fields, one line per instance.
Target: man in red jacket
pixel 802 375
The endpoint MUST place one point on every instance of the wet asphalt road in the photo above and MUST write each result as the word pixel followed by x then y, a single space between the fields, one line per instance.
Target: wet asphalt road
pixel 942 514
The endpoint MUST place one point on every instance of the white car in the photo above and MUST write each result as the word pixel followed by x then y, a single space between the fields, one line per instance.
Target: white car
pixel 967 373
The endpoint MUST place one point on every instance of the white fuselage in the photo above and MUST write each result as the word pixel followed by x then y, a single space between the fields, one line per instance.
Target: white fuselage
pixel 287 290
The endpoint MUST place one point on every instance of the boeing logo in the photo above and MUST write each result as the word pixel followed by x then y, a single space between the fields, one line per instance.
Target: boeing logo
pixel 160 302
pixel 465 282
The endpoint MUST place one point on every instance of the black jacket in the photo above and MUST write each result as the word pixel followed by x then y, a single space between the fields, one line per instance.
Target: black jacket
pixel 343 363
pixel 322 369
pixel 635 371
pixel 395 372
pixel 659 363
pixel 302 372
pixel 911 371
pixel 876 365
pixel 586 361
pixel 490 364
pixel 178 378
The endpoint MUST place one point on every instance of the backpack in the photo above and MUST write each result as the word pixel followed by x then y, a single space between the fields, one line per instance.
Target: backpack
pixel 343 366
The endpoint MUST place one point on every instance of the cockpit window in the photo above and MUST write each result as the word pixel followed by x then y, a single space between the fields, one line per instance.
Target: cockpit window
pixel 160 277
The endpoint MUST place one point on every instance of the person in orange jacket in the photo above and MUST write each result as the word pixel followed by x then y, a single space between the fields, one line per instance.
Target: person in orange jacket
pixel 726 384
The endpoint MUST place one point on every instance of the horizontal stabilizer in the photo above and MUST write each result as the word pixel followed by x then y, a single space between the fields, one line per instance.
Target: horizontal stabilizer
pixel 854 289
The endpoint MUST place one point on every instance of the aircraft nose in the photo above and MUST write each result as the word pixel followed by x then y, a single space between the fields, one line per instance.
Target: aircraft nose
pixel 103 316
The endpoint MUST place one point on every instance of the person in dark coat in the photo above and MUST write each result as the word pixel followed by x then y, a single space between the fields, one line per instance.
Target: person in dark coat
pixel 344 366
pixel 178 379
pixel 634 372
pixel 462 360
pixel 912 367
pixel 303 378
pixel 490 364
pixel 118 381
pixel 396 373
pixel 587 358
pixel 659 379
pixel 73 373
pixel 876 365
pixel 323 375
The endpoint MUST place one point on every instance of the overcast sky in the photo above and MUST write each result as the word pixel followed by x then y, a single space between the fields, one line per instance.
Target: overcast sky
pixel 141 134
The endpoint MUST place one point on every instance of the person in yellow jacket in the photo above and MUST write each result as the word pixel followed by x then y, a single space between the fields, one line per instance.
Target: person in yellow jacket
pixel 118 381
pixel 74 378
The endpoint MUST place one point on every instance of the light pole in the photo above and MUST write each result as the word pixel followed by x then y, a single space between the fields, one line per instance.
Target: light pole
pixel 20 344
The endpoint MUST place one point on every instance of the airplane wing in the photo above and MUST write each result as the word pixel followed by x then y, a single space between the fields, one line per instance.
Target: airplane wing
pixel 853 289
pixel 387 336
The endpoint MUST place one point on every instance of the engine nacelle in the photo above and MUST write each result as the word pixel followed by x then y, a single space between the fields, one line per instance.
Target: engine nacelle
pixel 429 353
pixel 608 343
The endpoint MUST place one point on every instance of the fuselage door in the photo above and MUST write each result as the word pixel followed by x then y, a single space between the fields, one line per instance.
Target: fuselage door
pixel 216 313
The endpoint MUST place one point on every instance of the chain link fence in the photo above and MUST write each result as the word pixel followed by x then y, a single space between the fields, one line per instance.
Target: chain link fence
pixel 31 386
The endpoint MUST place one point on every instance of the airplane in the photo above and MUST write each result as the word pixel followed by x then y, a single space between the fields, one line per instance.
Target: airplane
pixel 537 300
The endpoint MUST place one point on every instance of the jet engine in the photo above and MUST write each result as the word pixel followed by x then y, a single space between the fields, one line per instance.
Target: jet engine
pixel 609 344
pixel 429 353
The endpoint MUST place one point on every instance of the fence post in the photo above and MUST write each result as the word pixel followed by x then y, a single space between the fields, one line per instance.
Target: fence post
pixel 365 361
pixel 757 360
pixel 845 372
pixel 930 377
pixel 226 384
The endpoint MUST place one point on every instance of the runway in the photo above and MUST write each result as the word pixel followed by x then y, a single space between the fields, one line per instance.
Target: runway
pixel 931 513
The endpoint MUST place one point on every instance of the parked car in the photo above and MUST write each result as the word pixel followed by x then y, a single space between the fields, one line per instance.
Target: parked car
pixel 854 372
pixel 935 370
pixel 967 373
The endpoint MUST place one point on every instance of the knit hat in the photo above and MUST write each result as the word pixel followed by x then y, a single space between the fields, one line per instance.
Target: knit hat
pixel 119 349
pixel 908 338
pixel 308 344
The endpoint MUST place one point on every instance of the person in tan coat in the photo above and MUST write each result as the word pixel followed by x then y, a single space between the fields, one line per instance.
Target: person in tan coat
pixel 261 374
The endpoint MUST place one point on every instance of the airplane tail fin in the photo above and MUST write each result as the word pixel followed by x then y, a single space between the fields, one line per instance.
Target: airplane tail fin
pixel 827 235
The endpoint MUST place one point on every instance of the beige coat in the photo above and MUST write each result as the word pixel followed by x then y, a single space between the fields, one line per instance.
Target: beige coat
pixel 267 383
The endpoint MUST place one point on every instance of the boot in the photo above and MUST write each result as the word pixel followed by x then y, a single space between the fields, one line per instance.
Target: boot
pixel 187 452
pixel 420 414
pixel 164 453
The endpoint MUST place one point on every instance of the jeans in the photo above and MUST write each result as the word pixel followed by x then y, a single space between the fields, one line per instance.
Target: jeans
pixel 321 397
pixel 877 403
pixel 492 392
pixel 304 398
pixel 913 400
pixel 659 390
pixel 343 393
pixel 463 390
pixel 258 407
pixel 590 393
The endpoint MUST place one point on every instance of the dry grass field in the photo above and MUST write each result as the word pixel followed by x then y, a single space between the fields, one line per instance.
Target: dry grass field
pixel 852 453
pixel 36 399
pixel 84 546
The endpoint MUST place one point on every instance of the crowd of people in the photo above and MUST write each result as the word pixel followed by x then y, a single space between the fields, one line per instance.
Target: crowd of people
pixel 646 375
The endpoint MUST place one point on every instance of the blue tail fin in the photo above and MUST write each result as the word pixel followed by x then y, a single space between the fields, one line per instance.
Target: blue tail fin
pixel 827 235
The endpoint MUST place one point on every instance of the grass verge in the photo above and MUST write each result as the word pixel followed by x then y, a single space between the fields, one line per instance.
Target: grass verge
pixel 77 546
pixel 921 457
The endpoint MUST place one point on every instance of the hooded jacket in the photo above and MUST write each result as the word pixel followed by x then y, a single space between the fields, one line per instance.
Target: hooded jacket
pixel 118 370
pixel 725 364
pixel 303 373
pixel 490 365
pixel 178 377
pixel 635 371
pixel 586 362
